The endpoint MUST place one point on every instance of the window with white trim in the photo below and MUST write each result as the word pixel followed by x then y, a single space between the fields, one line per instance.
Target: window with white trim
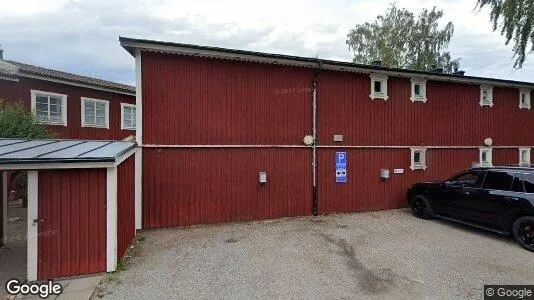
pixel 486 95
pixel 418 159
pixel 95 113
pixel 524 98
pixel 379 87
pixel 49 108
pixel 418 89
pixel 128 116
pixel 485 157
pixel 524 156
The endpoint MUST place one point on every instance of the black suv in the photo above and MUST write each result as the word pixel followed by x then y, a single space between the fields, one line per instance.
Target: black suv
pixel 499 199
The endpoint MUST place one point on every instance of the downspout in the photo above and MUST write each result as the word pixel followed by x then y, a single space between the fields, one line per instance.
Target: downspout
pixel 314 145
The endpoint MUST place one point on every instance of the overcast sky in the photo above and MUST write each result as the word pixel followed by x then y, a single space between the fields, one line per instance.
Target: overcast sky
pixel 82 36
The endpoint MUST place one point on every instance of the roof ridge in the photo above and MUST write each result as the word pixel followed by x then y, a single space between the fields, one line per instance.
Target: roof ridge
pixel 33 69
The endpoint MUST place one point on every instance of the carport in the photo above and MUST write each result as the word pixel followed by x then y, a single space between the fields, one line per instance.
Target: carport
pixel 81 203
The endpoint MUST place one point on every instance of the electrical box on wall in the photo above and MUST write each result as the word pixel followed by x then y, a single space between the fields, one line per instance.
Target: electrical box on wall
pixel 338 138
pixel 262 177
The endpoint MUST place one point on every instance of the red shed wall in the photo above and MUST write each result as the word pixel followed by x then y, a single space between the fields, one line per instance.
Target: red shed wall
pixel 202 102
pixel 20 91
pixel 72 237
pixel 125 205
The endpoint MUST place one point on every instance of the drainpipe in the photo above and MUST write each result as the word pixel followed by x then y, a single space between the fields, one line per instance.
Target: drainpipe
pixel 314 134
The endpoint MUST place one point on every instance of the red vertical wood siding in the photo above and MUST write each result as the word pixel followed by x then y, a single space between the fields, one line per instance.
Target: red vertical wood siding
pixel 197 101
pixel 72 238
pixel 452 115
pixel 125 205
pixel 199 186
pixel 20 91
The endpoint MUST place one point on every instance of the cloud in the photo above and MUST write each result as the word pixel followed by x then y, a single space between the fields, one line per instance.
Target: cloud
pixel 82 36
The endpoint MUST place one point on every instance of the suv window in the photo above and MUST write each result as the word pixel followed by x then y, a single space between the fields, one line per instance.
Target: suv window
pixel 517 185
pixel 498 181
pixel 528 180
pixel 468 179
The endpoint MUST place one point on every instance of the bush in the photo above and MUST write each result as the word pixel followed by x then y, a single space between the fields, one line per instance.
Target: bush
pixel 17 122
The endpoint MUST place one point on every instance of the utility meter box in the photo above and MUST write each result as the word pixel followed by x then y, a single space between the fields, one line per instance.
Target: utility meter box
pixel 262 177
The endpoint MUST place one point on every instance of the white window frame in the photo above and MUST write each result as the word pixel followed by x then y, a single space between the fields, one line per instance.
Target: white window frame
pixel 123 105
pixel 384 83
pixel 489 157
pixel 525 92
pixel 489 101
pixel 106 103
pixel 63 98
pixel 527 162
pixel 422 83
pixel 422 165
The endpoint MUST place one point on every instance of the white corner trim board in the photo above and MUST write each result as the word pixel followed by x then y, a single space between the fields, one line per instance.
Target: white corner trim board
pixel 139 188
pixel 111 220
pixel 32 228
pixel 138 98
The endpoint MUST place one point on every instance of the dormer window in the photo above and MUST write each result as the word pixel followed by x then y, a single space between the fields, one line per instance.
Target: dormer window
pixel 418 89
pixel 486 95
pixel 524 98
pixel 379 87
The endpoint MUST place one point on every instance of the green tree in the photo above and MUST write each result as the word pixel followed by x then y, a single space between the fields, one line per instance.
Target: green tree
pixel 16 122
pixel 515 18
pixel 400 40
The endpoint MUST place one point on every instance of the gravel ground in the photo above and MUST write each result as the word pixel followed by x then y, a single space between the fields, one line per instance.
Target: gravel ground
pixel 387 254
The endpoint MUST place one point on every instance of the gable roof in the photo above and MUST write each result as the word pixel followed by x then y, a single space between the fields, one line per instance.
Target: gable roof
pixel 28 70
pixel 25 151
pixel 131 44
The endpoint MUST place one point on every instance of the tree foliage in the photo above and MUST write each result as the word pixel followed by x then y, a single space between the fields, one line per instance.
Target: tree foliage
pixel 16 122
pixel 400 40
pixel 517 24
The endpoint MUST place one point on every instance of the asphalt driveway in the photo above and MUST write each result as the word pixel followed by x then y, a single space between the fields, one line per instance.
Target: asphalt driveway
pixel 387 254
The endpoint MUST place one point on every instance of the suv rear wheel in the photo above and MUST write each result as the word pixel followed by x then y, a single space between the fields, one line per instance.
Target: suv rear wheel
pixel 523 230
pixel 420 207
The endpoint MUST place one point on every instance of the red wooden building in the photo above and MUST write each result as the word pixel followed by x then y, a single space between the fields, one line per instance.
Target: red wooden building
pixel 81 203
pixel 72 106
pixel 222 132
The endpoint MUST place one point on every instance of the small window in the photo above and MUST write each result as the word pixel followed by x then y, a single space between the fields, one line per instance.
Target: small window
pixel 379 87
pixel 501 181
pixel 486 95
pixel 418 159
pixel 418 89
pixel 524 99
pixel 468 179
pixel 128 116
pixel 528 181
pixel 486 157
pixel 524 156
pixel 95 113
pixel 49 108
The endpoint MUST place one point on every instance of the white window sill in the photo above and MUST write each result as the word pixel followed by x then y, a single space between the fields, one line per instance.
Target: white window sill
pixel 418 99
pixel 128 128
pixel 524 106
pixel 52 123
pixel 95 126
pixel 378 96
pixel 418 167
pixel 482 104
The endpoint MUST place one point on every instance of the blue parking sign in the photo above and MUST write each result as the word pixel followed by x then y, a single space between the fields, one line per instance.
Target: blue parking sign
pixel 341 167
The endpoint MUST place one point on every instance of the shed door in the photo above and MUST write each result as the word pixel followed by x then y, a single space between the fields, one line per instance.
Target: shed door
pixel 72 226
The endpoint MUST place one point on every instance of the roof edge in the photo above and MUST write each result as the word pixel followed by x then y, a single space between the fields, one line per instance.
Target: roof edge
pixel 131 44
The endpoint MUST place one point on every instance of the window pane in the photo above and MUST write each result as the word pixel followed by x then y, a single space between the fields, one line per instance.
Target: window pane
pixel 528 180
pixel 498 181
pixel 41 116
pixel 89 119
pixel 523 98
pixel 417 89
pixel 517 185
pixel 417 157
pixel 470 179
pixel 378 87
pixel 485 95
pixel 55 101
pixel 100 120
pixel 100 113
pixel 41 107
pixel 484 156
pixel 41 99
pixel 524 156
